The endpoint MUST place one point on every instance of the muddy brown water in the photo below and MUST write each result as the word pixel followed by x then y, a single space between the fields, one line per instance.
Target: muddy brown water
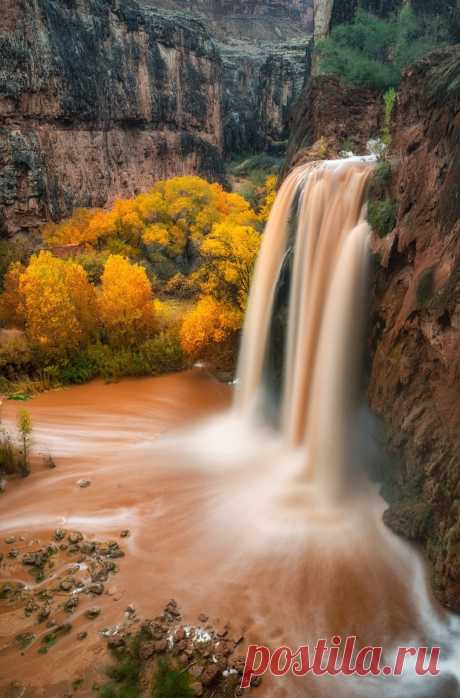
pixel 215 522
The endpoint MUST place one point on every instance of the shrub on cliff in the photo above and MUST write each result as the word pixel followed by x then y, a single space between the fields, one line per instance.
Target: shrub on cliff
pixel 373 52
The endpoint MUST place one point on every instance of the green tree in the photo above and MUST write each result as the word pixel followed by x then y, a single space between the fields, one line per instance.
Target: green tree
pixel 372 51
pixel 24 423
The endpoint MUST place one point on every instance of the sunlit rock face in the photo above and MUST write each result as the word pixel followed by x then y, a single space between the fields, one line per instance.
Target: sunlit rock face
pixel 98 100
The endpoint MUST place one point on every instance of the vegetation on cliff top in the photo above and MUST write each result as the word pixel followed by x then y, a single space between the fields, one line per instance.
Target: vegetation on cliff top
pixel 373 52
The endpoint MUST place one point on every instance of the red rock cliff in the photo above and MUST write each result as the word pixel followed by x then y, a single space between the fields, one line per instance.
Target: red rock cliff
pixel 415 377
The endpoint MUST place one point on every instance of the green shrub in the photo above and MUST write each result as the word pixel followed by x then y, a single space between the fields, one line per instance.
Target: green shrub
pixel 162 354
pixel 373 52
pixel 381 176
pixel 170 683
pixel 93 264
pixel 389 99
pixel 382 216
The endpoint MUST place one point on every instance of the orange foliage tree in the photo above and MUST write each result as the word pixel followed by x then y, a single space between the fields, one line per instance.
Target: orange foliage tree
pixel 230 253
pixel 209 330
pixel 58 305
pixel 11 302
pixel 125 302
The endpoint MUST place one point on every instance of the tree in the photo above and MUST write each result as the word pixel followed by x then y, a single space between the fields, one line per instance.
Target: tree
pixel 373 52
pixel 268 198
pixel 230 253
pixel 125 302
pixel 24 422
pixel 59 305
pixel 208 324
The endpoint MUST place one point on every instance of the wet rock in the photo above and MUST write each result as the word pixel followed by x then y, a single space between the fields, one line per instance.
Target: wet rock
pixel 87 547
pixel 75 537
pixel 180 634
pixel 37 559
pixel 43 613
pixel 13 553
pixel 116 642
pixel 60 534
pixel 160 646
pixel 30 607
pixel 71 604
pixel 154 629
pixel 125 534
pixel 96 588
pixel 130 610
pixel 49 462
pixel 82 636
pixel 10 540
pixel 197 688
pixel 147 650
pixel 67 584
pixel 93 612
pixel 171 611
pixel 84 483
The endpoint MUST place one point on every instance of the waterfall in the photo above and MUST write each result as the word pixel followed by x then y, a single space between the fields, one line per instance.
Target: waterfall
pixel 301 355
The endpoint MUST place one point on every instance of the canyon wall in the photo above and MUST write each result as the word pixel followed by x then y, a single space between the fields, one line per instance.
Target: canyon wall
pixel 415 371
pixel 97 100
pixel 263 48
pixel 100 98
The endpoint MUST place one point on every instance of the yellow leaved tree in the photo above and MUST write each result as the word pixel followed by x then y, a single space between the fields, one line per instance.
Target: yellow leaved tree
pixel 125 302
pixel 58 305
pixel 209 331
pixel 268 196
pixel 230 253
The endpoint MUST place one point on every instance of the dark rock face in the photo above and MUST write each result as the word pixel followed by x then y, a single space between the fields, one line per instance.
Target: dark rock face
pixel 332 117
pixel 263 47
pixel 97 100
pixel 100 98
pixel 415 373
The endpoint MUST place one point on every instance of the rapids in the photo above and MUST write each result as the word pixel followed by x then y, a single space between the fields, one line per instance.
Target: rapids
pixel 260 513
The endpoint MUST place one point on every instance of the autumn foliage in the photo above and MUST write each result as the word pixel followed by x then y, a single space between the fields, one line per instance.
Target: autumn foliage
pixel 58 305
pixel 125 302
pixel 113 302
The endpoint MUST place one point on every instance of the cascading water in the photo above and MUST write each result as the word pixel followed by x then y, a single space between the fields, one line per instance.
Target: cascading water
pixel 315 244
pixel 261 515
